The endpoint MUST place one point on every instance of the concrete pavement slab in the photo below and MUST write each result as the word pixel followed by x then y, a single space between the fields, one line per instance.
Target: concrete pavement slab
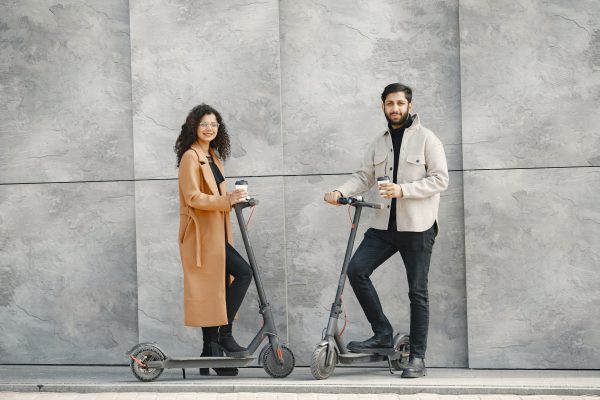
pixel 345 380
pixel 265 396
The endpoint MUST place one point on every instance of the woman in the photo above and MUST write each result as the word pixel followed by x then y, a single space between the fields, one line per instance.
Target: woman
pixel 216 277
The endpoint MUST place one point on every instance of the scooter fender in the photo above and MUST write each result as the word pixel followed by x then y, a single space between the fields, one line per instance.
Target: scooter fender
pixel 329 343
pixel 134 348
pixel 401 339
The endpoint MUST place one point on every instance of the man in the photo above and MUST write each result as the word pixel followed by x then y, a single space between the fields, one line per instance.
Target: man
pixel 415 158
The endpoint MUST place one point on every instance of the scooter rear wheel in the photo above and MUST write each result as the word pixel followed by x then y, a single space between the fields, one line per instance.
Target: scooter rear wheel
pixel 144 354
pixel 317 364
pixel 273 367
pixel 403 347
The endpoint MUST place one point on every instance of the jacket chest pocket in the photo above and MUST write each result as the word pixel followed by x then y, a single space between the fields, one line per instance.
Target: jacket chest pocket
pixel 415 159
pixel 414 167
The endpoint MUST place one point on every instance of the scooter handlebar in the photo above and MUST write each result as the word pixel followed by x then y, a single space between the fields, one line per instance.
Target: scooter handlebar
pixel 251 202
pixel 377 206
pixel 358 201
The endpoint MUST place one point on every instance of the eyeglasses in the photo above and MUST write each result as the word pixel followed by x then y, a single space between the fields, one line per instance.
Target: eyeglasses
pixel 212 125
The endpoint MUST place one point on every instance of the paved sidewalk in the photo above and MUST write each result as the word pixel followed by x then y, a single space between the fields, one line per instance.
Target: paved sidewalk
pixel 345 380
pixel 271 396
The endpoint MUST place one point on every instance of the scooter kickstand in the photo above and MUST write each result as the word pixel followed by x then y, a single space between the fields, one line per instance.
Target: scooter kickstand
pixel 390 365
pixel 183 371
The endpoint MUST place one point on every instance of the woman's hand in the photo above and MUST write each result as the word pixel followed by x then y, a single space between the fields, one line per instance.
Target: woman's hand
pixel 237 196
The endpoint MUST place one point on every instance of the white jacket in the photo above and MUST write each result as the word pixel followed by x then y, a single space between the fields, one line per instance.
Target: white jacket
pixel 422 174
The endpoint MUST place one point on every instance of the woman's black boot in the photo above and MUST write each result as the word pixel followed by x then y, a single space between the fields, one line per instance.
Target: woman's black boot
pixel 215 350
pixel 210 348
pixel 228 343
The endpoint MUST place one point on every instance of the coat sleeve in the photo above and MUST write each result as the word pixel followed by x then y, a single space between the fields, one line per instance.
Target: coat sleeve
pixel 189 182
pixel 437 178
pixel 363 178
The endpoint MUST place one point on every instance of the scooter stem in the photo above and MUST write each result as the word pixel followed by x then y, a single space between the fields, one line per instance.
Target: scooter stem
pixel 336 307
pixel 244 231
pixel 348 256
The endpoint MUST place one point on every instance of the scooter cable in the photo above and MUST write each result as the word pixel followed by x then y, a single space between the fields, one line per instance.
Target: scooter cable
pixel 250 217
pixel 345 315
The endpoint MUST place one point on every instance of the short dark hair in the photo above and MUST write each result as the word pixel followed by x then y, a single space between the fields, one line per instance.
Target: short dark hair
pixel 397 87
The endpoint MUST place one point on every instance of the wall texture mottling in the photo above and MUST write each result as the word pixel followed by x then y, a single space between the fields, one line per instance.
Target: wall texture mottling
pixel 67 273
pixel 530 83
pixel 65 91
pixel 89 263
pixel 530 95
pixel 336 58
pixel 67 250
pixel 532 278
pixel 223 53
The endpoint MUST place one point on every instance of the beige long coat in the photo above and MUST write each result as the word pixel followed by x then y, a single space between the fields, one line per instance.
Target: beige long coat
pixel 203 227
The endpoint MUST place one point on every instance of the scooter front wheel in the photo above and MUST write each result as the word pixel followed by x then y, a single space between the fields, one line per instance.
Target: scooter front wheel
pixel 271 363
pixel 318 363
pixel 142 355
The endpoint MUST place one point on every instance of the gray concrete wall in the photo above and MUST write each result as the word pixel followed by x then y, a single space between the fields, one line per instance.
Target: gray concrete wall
pixel 531 152
pixel 67 218
pixel 95 96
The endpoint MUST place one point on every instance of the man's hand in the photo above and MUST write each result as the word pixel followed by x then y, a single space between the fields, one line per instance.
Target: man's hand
pixel 237 196
pixel 390 190
pixel 332 197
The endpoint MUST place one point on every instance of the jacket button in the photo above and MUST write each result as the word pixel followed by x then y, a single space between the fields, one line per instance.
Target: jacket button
pixel 392 150
pixel 388 206
pixel 417 160
pixel 390 168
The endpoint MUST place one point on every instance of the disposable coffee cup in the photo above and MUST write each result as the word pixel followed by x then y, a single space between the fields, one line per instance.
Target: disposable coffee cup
pixel 242 185
pixel 381 180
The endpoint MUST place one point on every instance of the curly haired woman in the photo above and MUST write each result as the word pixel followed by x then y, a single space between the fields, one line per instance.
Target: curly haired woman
pixel 211 296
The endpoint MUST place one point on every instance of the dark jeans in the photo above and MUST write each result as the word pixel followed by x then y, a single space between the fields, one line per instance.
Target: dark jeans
pixel 241 271
pixel 415 249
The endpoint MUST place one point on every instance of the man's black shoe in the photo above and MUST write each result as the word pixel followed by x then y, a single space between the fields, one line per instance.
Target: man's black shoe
pixel 371 344
pixel 415 368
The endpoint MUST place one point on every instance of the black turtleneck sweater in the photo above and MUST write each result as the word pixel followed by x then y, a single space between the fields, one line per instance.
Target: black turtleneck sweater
pixel 397 135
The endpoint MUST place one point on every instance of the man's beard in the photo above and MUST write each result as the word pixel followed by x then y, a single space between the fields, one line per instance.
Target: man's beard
pixel 401 122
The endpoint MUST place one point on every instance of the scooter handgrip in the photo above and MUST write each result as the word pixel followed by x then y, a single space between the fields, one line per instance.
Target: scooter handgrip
pixel 252 202
pixel 378 206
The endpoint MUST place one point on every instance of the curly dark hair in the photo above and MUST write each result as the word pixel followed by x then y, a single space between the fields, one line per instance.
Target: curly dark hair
pixel 188 133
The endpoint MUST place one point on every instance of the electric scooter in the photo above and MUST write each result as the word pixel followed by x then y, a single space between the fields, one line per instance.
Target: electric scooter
pixel 148 361
pixel 332 349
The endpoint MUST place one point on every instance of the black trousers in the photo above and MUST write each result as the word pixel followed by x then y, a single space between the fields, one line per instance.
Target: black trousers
pixel 415 249
pixel 241 271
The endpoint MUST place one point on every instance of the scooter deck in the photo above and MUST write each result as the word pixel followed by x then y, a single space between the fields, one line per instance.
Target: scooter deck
pixel 201 362
pixel 380 351
pixel 358 358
